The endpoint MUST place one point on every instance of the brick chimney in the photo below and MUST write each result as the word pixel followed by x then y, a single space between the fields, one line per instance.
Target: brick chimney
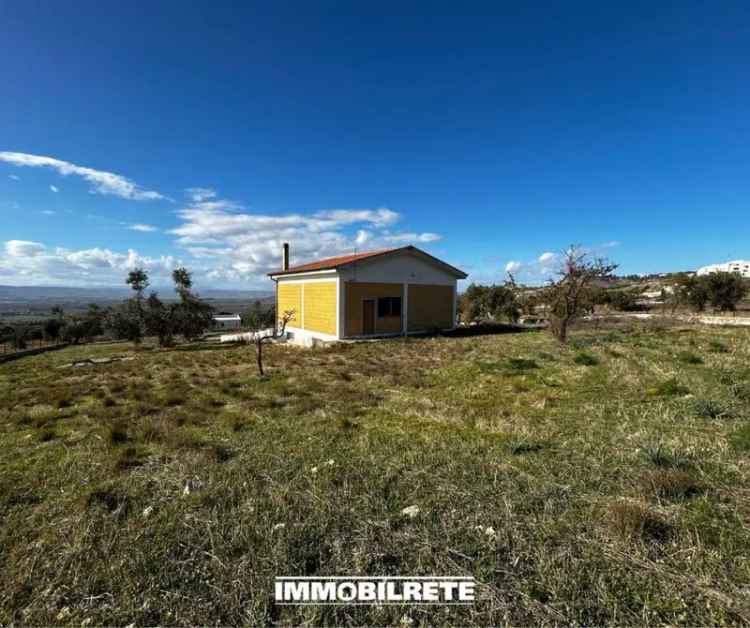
pixel 285 256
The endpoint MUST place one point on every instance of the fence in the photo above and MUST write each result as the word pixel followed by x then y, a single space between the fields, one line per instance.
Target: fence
pixel 7 347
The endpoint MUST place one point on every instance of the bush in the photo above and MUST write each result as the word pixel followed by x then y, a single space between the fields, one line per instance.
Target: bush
pixel 670 483
pixel 708 409
pixel 669 388
pixel 725 290
pixel 687 357
pixel 490 302
pixel 718 347
pixel 585 359
pixel 635 522
pixel 623 300
pixel 521 364
pixel 661 457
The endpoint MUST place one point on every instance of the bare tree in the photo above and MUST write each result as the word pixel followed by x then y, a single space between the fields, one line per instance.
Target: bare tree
pixel 569 296
pixel 259 338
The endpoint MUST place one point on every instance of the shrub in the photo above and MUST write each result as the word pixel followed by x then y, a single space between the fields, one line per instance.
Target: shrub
pixel 585 359
pixel 47 435
pixel 623 300
pixel 346 423
pixel 222 453
pixel 524 447
pixel 670 483
pixel 740 438
pixel 130 458
pixel 118 433
pixel 708 408
pixel 109 500
pixel 718 347
pixel 687 357
pixel 668 388
pixel 661 457
pixel 635 522
pixel 741 391
pixel 521 364
pixel 725 290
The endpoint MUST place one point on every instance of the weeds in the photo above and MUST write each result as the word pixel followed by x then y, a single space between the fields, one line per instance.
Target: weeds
pixel 634 521
pixel 717 346
pixel 521 364
pixel 688 357
pixel 740 438
pixel 668 388
pixel 670 483
pixel 661 457
pixel 709 408
pixel 585 359
pixel 118 433
pixel 453 426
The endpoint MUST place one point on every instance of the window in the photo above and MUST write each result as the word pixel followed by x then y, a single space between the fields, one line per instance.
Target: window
pixel 389 306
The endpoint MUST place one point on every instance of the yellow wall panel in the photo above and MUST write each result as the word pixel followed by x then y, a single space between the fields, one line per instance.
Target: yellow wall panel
pixel 289 297
pixel 320 307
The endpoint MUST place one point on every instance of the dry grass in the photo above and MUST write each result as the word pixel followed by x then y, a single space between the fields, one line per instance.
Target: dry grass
pixel 617 484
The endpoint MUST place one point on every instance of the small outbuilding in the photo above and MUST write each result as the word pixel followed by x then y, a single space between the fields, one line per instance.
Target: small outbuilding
pixel 227 321
pixel 378 293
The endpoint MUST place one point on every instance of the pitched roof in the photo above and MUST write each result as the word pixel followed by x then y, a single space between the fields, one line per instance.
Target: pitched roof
pixel 332 263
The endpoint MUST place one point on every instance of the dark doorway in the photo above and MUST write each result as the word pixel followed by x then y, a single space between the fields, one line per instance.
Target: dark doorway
pixel 368 316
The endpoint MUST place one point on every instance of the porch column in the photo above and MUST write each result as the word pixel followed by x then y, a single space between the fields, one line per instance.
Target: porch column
pixel 405 311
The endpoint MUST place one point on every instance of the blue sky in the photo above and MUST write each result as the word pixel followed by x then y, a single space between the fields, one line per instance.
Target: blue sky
pixel 487 134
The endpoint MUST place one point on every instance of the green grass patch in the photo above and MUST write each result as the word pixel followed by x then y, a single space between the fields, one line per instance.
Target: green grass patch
pixel 668 388
pixel 521 364
pixel 688 357
pixel 585 359
pixel 181 476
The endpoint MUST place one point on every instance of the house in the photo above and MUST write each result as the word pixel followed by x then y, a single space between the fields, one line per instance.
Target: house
pixel 379 293
pixel 741 266
pixel 224 320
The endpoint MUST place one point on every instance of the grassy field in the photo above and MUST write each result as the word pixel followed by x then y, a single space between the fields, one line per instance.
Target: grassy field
pixel 602 482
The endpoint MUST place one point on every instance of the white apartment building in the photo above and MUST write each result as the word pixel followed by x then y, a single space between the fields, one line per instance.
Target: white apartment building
pixel 741 266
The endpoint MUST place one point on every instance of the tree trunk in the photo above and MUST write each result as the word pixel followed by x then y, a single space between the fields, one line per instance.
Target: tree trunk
pixel 259 355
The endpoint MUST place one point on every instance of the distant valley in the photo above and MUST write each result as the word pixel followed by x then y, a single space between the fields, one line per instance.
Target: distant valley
pixel 32 302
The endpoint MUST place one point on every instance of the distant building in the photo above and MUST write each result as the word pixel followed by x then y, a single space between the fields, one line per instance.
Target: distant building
pixel 740 266
pixel 227 321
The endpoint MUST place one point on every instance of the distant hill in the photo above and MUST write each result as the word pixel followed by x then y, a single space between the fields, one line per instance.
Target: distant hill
pixel 46 294
pixel 24 303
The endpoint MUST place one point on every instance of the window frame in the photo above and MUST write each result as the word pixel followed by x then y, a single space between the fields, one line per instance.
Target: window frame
pixel 387 309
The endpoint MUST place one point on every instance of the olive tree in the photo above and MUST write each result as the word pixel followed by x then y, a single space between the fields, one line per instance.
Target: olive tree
pixel 569 296
pixel 259 336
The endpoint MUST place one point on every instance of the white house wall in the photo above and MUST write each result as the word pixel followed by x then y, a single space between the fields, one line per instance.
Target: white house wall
pixel 403 268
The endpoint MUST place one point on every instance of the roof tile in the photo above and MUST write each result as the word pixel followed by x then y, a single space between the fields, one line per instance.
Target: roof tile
pixel 331 262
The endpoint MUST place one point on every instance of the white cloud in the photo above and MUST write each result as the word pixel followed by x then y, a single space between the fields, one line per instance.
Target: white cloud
pixel 513 266
pixel 54 188
pixel 363 236
pixel 224 244
pixel 381 217
pixel 103 182
pixel 243 246
pixel 547 258
pixel 48 212
pixel 15 177
pixel 31 263
pixel 404 238
pixel 143 228
pixel 198 195
pixel 23 248
pixel 610 245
